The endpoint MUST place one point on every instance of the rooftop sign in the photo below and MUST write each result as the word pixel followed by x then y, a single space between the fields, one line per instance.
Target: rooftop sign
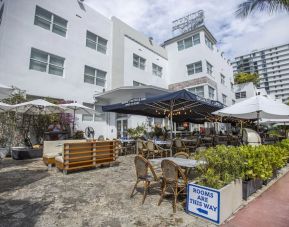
pixel 188 22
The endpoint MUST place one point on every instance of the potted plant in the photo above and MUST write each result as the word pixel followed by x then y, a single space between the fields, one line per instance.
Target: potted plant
pixel 137 132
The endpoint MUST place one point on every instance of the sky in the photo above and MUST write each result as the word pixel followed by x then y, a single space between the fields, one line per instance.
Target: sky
pixel 235 36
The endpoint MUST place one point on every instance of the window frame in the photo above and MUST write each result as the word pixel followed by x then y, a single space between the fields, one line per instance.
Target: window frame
pixel 139 62
pixel 51 22
pixel 95 76
pixel 224 98
pixel 48 64
pixel 157 70
pixel 1 13
pixel 209 67
pixel 210 90
pixel 223 79
pixel 98 46
pixel 189 42
pixel 198 92
pixel 192 69
pixel 241 95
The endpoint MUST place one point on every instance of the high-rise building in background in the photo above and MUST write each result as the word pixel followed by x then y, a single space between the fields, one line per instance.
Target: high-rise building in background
pixel 272 65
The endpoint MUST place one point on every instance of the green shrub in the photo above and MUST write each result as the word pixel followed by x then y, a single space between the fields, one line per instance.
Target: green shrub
pixel 223 164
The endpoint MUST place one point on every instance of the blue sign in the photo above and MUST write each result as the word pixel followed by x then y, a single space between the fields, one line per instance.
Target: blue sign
pixel 203 202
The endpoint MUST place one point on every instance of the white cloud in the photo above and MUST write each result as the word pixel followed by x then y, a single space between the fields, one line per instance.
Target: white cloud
pixel 235 36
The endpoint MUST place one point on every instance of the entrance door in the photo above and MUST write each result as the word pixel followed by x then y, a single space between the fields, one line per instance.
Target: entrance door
pixel 121 128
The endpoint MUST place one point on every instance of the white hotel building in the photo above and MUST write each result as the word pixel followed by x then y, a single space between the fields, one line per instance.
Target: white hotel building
pixel 66 50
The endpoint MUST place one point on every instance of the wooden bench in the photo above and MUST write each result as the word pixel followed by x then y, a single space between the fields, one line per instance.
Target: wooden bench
pixel 82 155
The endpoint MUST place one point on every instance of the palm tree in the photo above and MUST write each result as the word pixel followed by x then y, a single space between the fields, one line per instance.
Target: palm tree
pixel 250 6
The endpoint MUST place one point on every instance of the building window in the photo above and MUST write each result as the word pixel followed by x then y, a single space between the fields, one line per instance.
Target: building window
pixel 194 68
pixel 196 39
pixel 189 42
pixel 224 97
pixel 50 21
pixel 211 93
pixel 209 69
pixel 1 13
pixel 88 117
pixel 157 70
pixel 94 76
pixel 139 62
pixel 45 62
pixel 223 79
pixel 137 84
pixel 96 42
pixel 240 95
pixel 209 43
pixel 197 90
pixel 98 116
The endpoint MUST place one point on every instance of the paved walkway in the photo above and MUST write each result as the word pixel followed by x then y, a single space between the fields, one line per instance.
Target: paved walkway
pixel 270 209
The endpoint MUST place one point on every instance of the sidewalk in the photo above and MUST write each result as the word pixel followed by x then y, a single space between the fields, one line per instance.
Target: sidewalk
pixel 270 209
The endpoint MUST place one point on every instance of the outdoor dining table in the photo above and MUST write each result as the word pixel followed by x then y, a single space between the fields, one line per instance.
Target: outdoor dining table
pixel 188 163
pixel 161 143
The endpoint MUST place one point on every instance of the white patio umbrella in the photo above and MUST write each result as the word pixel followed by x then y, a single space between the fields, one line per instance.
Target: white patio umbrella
pixel 75 108
pixel 4 91
pixel 4 107
pixel 256 107
pixel 38 106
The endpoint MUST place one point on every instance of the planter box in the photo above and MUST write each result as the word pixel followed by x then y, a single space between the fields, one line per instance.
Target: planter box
pixel 250 187
pixel 225 201
pixel 3 152
pixel 20 153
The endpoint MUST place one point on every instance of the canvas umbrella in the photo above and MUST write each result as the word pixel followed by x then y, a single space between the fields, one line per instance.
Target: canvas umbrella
pixel 4 107
pixel 38 106
pixel 256 107
pixel 4 91
pixel 75 108
pixel 178 106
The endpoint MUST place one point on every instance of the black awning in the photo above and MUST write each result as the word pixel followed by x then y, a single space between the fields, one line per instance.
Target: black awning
pixel 184 106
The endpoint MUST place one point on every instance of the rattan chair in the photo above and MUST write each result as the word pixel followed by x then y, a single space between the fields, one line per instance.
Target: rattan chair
pixel 141 146
pixel 180 146
pixel 143 166
pixel 174 178
pixel 153 150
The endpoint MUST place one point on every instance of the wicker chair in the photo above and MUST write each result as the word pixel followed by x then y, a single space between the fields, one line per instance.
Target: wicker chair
pixel 174 178
pixel 153 150
pixel 180 146
pixel 181 155
pixel 142 149
pixel 143 166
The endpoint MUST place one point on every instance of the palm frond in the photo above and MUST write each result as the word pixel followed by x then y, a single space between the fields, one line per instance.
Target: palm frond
pixel 250 6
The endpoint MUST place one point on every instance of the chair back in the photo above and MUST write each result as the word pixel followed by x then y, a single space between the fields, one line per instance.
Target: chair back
pixel 181 155
pixel 140 144
pixel 150 146
pixel 178 143
pixel 142 166
pixel 170 172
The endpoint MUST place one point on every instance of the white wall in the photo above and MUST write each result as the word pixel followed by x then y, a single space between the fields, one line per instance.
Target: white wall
pixel 131 73
pixel 20 35
pixel 178 61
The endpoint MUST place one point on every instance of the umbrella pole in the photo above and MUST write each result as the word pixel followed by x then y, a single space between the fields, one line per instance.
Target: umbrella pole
pixel 73 121
pixel 258 121
pixel 171 122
